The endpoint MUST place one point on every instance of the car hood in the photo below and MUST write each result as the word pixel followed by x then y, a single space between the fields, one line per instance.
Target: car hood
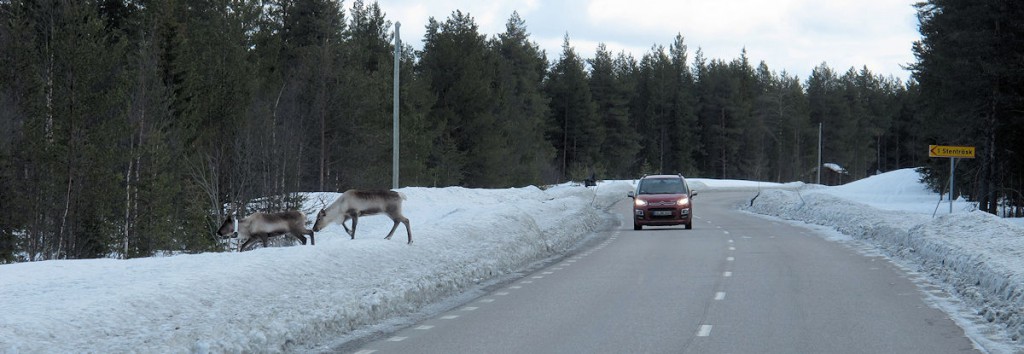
pixel 656 198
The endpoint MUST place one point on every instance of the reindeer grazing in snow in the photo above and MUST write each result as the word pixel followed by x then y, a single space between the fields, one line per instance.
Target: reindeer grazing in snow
pixel 264 225
pixel 355 203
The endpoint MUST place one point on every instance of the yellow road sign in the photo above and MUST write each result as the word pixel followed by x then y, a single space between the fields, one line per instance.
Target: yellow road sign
pixel 964 152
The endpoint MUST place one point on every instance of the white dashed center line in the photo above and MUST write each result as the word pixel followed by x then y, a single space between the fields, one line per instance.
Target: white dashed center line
pixel 449 317
pixel 396 339
pixel 727 274
pixel 705 330
pixel 424 327
pixel 719 296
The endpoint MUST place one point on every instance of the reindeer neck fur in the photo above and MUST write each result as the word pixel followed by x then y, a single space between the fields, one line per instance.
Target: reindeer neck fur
pixel 334 211
pixel 243 226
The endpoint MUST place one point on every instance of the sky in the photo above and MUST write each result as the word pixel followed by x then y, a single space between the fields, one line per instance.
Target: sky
pixel 310 298
pixel 788 35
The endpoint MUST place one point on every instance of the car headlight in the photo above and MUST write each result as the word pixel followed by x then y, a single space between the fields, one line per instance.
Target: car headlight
pixel 640 202
pixel 683 201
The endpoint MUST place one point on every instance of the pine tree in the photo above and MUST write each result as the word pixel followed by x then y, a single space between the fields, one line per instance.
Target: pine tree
pixel 459 67
pixel 825 103
pixel 575 128
pixel 521 107
pixel 612 93
pixel 313 33
pixel 721 115
pixel 684 136
pixel 365 96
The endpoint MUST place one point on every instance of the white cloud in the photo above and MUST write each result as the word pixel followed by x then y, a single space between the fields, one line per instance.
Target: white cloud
pixel 791 35
pixel 735 17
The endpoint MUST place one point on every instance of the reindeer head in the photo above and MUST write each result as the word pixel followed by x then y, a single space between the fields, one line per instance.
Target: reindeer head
pixel 227 228
pixel 321 220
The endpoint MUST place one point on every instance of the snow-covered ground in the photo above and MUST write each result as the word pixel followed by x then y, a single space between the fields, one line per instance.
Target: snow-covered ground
pixel 302 298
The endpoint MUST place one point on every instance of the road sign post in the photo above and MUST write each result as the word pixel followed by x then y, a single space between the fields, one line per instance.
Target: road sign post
pixel 953 153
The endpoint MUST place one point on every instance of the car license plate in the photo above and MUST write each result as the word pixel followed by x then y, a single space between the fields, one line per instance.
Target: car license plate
pixel 662 213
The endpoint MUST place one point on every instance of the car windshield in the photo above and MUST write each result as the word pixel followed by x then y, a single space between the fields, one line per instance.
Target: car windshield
pixel 662 186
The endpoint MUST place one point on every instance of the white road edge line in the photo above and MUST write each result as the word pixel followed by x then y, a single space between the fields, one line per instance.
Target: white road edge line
pixel 705 330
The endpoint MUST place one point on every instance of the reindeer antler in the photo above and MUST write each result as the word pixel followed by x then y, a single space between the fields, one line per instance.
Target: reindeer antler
pixel 323 202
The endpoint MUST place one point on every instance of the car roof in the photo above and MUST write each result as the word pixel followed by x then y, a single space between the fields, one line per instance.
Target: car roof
pixel 663 176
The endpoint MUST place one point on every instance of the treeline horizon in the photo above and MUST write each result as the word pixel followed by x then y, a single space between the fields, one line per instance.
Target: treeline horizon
pixel 126 127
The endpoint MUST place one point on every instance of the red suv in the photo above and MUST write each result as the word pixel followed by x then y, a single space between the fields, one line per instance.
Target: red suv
pixel 662 200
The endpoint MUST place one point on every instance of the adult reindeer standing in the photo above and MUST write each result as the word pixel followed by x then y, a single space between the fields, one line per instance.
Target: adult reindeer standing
pixel 355 203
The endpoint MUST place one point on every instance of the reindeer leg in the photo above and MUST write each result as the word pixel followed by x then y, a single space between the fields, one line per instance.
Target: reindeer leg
pixel 312 242
pixel 263 237
pixel 300 236
pixel 388 237
pixel 407 230
pixel 246 244
pixel 349 232
pixel 355 219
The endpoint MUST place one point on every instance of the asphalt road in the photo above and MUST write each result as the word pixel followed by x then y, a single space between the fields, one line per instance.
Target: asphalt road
pixel 736 283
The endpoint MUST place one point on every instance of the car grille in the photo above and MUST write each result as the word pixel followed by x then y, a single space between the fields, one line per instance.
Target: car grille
pixel 662 204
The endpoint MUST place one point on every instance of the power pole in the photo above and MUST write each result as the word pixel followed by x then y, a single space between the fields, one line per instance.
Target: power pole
pixel 819 153
pixel 394 148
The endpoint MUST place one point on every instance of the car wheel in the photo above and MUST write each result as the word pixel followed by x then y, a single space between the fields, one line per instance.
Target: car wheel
pixel 637 226
pixel 689 226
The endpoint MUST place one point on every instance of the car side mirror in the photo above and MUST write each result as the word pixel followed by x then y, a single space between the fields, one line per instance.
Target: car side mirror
pixel 630 194
pixel 693 193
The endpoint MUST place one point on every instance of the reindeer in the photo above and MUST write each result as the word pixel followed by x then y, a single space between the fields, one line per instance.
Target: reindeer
pixel 264 225
pixel 355 203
